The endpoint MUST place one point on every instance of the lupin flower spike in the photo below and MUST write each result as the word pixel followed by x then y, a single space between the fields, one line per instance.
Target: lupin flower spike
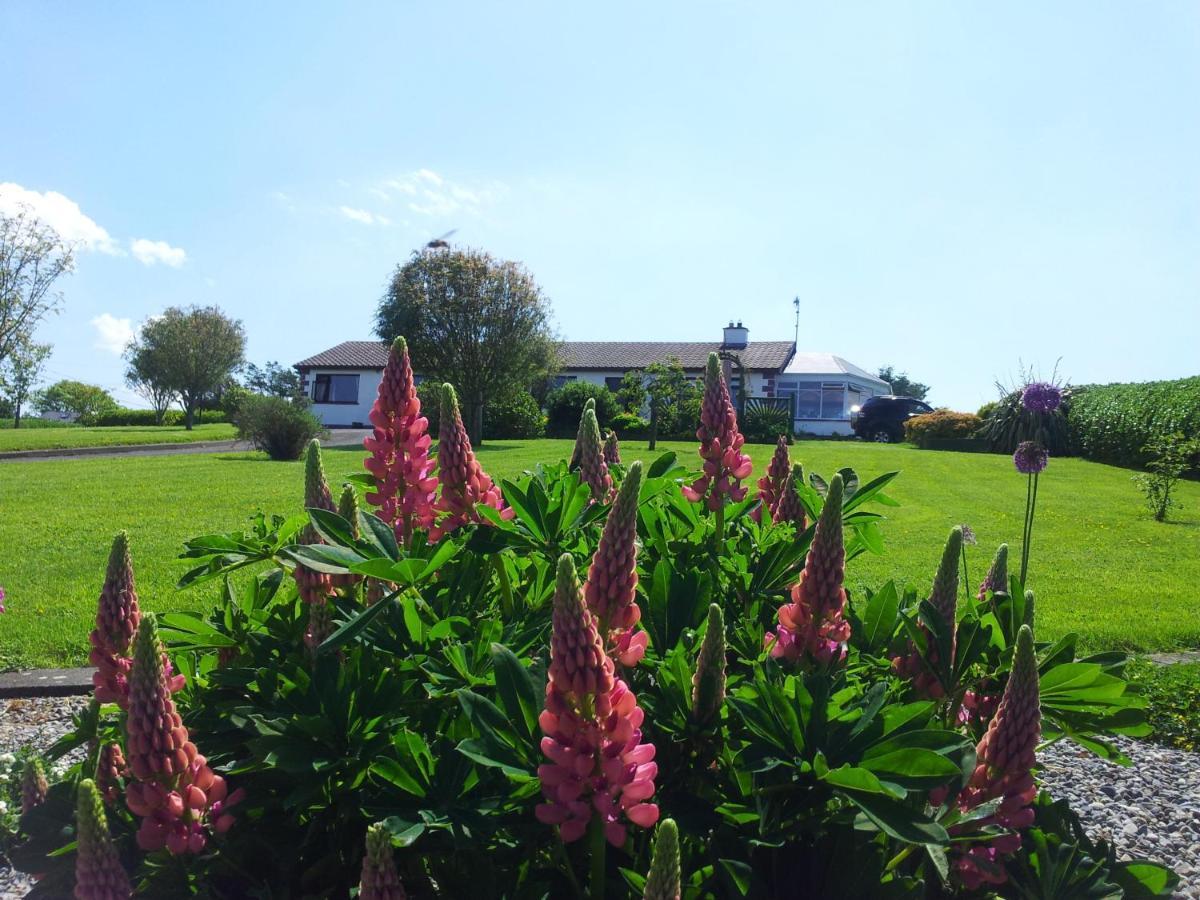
pixel 789 508
pixel 117 618
pixel 314 587
pixel 593 470
pixel 577 450
pixel 771 485
pixel 813 628
pixel 944 599
pixel 598 764
pixel 99 874
pixel 997 576
pixel 708 683
pixel 348 510
pixel 1027 619
pixel 663 881
pixel 612 576
pixel 612 449
pixel 725 465
pixel 464 483
pixel 399 446
pixel 34 786
pixel 380 880
pixel 110 770
pixel 1003 760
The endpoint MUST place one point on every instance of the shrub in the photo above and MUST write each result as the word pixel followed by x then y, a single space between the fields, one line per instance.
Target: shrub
pixel 564 406
pixel 1115 422
pixel 987 409
pixel 1174 695
pixel 512 415
pixel 116 418
pixel 1170 456
pixel 277 426
pixel 1009 423
pixel 763 423
pixel 629 425
pixel 941 424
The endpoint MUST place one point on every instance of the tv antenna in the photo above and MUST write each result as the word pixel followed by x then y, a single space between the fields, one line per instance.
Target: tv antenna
pixel 796 304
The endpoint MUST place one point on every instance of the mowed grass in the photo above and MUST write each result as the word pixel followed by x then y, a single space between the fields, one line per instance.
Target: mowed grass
pixel 77 436
pixel 1100 566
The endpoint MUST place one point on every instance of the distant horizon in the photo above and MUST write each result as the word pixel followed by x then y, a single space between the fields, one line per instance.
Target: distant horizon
pixel 955 191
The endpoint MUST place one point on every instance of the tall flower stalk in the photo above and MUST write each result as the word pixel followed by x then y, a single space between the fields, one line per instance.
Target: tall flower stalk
pixel 99 874
pixel 943 597
pixel 612 449
pixel 464 483
pixel 379 880
pixel 577 450
pixel 315 587
pixel 592 466
pixel 599 775
pixel 399 444
pixel 117 618
pixel 612 578
pixel 708 682
pixel 725 465
pixel 813 629
pixel 772 485
pixel 663 880
pixel 789 508
pixel 1030 460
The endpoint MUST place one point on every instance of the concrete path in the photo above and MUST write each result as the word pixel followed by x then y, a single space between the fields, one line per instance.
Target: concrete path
pixel 341 437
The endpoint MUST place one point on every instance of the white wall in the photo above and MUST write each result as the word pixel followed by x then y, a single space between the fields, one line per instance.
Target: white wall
pixel 347 414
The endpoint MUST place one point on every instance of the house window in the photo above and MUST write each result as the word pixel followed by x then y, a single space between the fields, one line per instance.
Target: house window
pixel 329 388
pixel 808 402
pixel 560 380
pixel 833 401
pixel 613 382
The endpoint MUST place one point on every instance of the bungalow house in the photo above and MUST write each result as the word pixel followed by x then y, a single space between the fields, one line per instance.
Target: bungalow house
pixel 819 388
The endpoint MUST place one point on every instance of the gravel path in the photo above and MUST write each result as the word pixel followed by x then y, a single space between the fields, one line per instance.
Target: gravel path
pixel 1151 809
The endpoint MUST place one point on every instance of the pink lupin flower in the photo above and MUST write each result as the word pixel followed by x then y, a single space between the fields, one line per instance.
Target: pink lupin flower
pixel 813 628
pixel 598 765
pixel 997 574
pixel 99 874
pixel 179 799
pixel 789 508
pixel 612 449
pixel 593 470
pixel 1003 760
pixel 117 618
pixel 612 576
pixel 464 483
pixel 771 485
pixel 944 600
pixel 34 786
pixel 577 449
pixel 725 465
pixel 110 770
pixel 379 880
pixel 399 448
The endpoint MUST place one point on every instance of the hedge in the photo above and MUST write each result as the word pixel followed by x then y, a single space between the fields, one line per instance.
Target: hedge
pixel 1113 422
pixel 115 418
pixel 941 424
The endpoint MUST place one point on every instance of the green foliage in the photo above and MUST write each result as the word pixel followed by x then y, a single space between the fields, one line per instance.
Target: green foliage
pixel 629 425
pixel 902 385
pixel 1117 422
pixel 941 424
pixel 632 394
pixel 564 406
pixel 1173 692
pixel 272 379
pixel 986 410
pixel 19 372
pixel 763 423
pixel 281 428
pixel 75 399
pixel 674 401
pixel 1169 457
pixel 1009 423
pixel 120 417
pixel 513 414
pixel 421 711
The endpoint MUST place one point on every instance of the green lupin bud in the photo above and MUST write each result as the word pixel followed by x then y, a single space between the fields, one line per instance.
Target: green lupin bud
pixel 348 507
pixel 1027 619
pixel 944 596
pixel 708 684
pixel 663 881
pixel 997 576
pixel 576 454
pixel 98 871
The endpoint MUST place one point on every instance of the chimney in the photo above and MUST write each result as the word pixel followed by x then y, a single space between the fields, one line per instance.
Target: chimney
pixel 736 337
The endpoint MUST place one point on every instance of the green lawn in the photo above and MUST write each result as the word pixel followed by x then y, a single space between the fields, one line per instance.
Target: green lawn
pixel 1100 565
pixel 71 437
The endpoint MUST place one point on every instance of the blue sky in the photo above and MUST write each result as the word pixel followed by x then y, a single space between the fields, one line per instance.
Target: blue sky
pixel 950 188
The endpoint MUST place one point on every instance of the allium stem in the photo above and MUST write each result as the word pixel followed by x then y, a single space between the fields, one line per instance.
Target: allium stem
pixel 1030 507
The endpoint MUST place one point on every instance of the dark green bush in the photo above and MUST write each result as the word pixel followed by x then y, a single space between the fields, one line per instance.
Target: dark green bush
pixel 629 425
pixel 564 406
pixel 1114 422
pixel 763 424
pixel 1174 695
pixel 515 414
pixel 1009 423
pixel 282 428
pixel 116 418
pixel 987 409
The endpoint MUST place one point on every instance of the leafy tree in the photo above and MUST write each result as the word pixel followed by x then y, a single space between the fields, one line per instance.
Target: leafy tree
pixel 74 398
pixel 32 257
pixel 272 380
pixel 632 394
pixel 190 352
pixel 671 397
pixel 480 323
pixel 20 371
pixel 564 406
pixel 147 375
pixel 902 385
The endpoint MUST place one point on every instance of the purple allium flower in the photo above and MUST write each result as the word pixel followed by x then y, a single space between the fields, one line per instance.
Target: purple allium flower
pixel 1030 458
pixel 1041 397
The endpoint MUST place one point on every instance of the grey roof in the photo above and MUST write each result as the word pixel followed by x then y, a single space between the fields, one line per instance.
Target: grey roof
pixel 605 355
pixel 349 355
pixel 828 364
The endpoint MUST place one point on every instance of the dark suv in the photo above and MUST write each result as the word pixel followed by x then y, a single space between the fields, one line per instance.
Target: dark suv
pixel 882 418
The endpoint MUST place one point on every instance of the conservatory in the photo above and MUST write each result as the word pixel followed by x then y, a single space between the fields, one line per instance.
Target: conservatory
pixel 823 389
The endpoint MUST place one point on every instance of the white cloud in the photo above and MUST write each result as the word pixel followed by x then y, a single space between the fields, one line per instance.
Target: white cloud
pixel 429 194
pixel 60 213
pixel 364 215
pixel 112 334
pixel 151 252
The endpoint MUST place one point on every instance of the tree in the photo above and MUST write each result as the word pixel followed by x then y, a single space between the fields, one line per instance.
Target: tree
pixel 32 257
pixel 75 399
pixel 631 394
pixel 480 323
pixel 191 352
pixel 147 375
pixel 272 380
pixel 902 385
pixel 20 371
pixel 669 392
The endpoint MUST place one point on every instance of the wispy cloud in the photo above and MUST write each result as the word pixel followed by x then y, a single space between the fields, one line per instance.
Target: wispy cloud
pixel 427 193
pixel 60 213
pixel 364 215
pixel 150 253
pixel 112 334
